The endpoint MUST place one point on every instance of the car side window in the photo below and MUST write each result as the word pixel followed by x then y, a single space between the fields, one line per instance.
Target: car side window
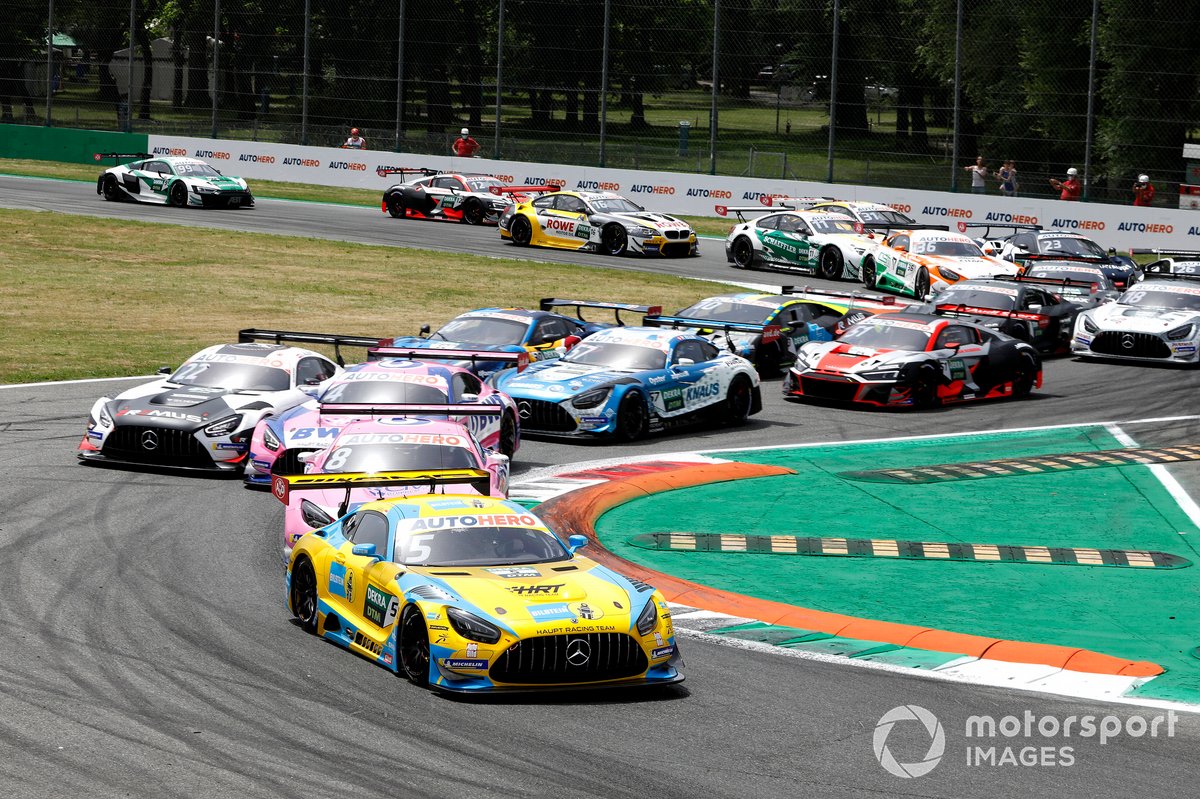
pixel 545 201
pixel 549 330
pixel 900 240
pixel 689 349
pixel 835 209
pixel 708 351
pixel 571 204
pixel 768 223
pixel 445 183
pixel 1024 241
pixel 954 335
pixel 157 166
pixel 466 383
pixel 789 223
pixel 311 371
pixel 371 528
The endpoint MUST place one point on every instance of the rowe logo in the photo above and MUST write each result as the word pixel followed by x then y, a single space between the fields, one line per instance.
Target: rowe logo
pixel 560 224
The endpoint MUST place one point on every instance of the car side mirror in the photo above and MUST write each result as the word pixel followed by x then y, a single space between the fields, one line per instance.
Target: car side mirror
pixel 308 390
pixel 365 551
pixel 467 399
pixel 571 341
pixel 576 542
pixel 951 345
pixel 305 457
pixel 164 370
pixel 899 248
pixel 989 250
pixel 684 362
pixel 424 330
pixel 1035 308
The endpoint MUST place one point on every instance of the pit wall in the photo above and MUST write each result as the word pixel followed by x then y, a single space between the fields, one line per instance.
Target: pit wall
pixel 1117 226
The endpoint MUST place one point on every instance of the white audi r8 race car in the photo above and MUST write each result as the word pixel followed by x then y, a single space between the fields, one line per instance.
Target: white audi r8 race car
pixel 918 262
pixel 1155 321
pixel 171 180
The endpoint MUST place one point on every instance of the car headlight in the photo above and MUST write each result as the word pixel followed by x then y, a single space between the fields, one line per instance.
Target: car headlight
pixel 643 232
pixel 949 274
pixel 223 427
pixel 105 418
pixel 313 515
pixel 270 441
pixel 471 627
pixel 881 374
pixel 1182 332
pixel 648 619
pixel 204 189
pixel 1090 326
pixel 804 358
pixel 590 399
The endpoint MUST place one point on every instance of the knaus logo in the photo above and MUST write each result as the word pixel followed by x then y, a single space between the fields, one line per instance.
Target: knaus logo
pixel 598 185
pixel 1028 740
pixel 309 162
pixel 169 151
pixel 957 213
pixel 212 154
pixel 1078 224
pixel 257 159
pixel 646 188
pixel 349 165
pixel 716 194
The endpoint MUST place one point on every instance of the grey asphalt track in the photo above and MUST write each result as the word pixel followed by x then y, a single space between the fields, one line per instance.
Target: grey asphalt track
pixel 148 651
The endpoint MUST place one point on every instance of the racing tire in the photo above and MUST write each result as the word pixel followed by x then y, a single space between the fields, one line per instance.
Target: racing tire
pixel 831 264
pixel 633 420
pixel 111 192
pixel 395 207
pixel 921 284
pixel 1022 384
pixel 412 646
pixel 521 231
pixel 472 213
pixel 742 253
pixel 508 435
pixel 739 400
pixel 868 272
pixel 303 594
pixel 614 240
pixel 924 387
pixel 178 195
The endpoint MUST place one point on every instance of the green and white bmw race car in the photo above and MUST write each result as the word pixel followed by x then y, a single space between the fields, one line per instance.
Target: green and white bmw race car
pixel 826 245
pixel 171 180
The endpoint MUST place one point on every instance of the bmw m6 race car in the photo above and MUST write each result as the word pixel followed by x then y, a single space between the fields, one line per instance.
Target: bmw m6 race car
pixel 472 198
pixel 1026 308
pixel 475 594
pixel 626 382
pixel 391 386
pixel 917 262
pixel 822 244
pixel 1155 321
pixel 600 222
pixel 545 334
pixel 392 444
pixel 1029 240
pixel 767 329
pixel 914 360
pixel 202 415
pixel 867 215
pixel 171 180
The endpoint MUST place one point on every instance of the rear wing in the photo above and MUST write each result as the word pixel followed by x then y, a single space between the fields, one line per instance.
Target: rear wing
pixel 774 205
pixel 1065 283
pixel 409 409
pixel 520 359
pixel 540 189
pixel 119 157
pixel 336 340
pixel 987 227
pixel 887 226
pixel 1167 253
pixel 769 332
pixel 283 485
pixel 1188 270
pixel 850 297
pixel 972 310
pixel 384 171
pixel 740 211
pixel 550 303
pixel 1076 257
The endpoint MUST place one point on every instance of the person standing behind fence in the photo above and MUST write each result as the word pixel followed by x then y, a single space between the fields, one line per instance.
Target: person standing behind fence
pixel 1143 191
pixel 1070 187
pixel 355 142
pixel 979 173
pixel 1007 176
pixel 464 146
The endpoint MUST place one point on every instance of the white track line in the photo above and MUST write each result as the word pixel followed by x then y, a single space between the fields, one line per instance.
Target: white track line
pixel 1177 492
pixel 72 382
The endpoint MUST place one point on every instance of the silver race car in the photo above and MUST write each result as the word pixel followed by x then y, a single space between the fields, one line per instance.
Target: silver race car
pixel 171 180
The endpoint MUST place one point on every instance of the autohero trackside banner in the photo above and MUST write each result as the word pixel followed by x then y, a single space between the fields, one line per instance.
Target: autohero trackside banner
pixel 1117 226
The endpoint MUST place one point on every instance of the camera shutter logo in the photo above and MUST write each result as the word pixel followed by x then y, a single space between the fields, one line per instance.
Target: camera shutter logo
pixel 933 727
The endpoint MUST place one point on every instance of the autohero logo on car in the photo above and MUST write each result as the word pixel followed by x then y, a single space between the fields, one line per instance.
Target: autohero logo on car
pixel 646 188
pixel 257 159
pixel 1078 224
pixel 598 185
pixel 214 154
pixel 1025 741
pixel 956 213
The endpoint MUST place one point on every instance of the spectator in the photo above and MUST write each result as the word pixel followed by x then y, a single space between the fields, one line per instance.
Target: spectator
pixel 1007 175
pixel 979 173
pixel 1070 187
pixel 355 142
pixel 464 145
pixel 1143 191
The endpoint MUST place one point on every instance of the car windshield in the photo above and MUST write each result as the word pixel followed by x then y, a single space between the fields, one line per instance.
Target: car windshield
pixel 483 183
pixel 352 389
pixel 231 376
pixel 616 356
pixel 980 298
pixel 615 205
pixel 196 170
pixel 397 457
pixel 1071 245
pixel 461 541
pixel 482 331
pixel 1151 295
pixel 949 247
pixel 890 217
pixel 832 226
pixel 887 334
pixel 720 309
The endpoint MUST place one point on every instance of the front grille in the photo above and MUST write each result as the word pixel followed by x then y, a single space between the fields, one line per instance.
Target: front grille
pixel 1132 345
pixel 678 249
pixel 166 445
pixel 673 234
pixel 289 462
pixel 542 415
pixel 829 389
pixel 558 659
pixel 222 199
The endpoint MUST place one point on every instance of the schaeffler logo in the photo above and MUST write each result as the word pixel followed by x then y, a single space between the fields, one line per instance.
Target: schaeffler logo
pixel 932 727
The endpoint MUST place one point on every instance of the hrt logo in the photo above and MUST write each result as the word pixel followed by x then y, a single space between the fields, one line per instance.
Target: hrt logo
pixel 535 590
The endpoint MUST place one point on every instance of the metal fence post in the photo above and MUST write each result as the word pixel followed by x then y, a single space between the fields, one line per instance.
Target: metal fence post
pixel 1091 107
pixel 304 75
pixel 716 87
pixel 216 62
pixel 129 85
pixel 604 82
pixel 957 96
pixel 400 79
pixel 49 62
pixel 499 77
pixel 833 83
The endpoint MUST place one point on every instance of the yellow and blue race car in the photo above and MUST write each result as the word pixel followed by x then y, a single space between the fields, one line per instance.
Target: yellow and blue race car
pixel 469 593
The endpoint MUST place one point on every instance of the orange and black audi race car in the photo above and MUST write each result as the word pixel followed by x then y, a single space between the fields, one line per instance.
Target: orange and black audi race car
pixel 914 360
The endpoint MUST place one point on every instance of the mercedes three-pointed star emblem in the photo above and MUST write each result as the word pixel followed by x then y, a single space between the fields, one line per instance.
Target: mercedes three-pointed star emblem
pixel 579 652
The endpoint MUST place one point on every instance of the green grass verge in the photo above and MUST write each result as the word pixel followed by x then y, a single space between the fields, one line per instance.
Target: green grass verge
pixel 88 297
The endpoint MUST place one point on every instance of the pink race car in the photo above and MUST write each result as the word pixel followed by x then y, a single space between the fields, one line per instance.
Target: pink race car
pixel 375 450
pixel 387 387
